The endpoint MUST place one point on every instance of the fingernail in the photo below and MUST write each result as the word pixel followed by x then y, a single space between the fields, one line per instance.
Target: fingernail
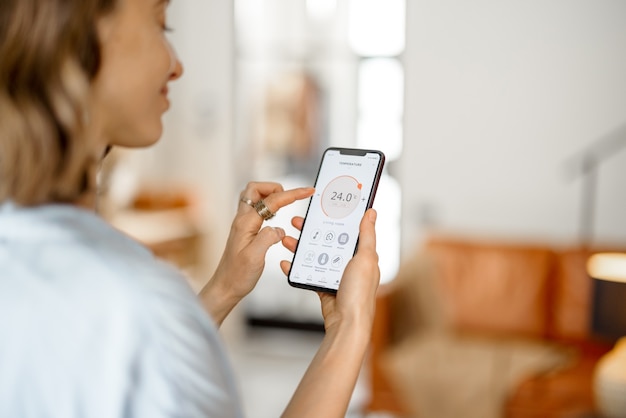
pixel 280 231
pixel 373 215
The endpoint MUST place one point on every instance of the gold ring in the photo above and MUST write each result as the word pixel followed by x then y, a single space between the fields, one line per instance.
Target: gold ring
pixel 263 210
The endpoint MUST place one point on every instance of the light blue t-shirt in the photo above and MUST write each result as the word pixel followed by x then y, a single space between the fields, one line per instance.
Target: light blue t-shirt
pixel 92 325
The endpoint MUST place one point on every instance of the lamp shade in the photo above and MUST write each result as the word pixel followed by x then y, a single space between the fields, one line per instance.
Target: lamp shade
pixel 609 294
pixel 608 266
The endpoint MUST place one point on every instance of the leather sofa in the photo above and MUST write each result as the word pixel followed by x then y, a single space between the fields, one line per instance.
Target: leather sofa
pixel 480 328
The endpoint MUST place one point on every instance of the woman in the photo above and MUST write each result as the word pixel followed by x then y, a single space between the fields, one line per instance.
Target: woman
pixel 91 325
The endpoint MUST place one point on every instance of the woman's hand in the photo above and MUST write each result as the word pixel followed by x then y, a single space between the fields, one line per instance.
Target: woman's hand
pixel 356 297
pixel 348 317
pixel 244 256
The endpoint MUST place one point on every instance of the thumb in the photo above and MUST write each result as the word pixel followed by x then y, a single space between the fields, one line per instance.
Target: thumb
pixel 266 237
pixel 367 232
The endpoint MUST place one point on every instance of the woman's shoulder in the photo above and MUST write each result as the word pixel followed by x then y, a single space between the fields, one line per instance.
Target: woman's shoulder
pixel 78 250
pixel 60 254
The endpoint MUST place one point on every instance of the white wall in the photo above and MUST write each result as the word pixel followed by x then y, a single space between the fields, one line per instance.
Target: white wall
pixel 499 96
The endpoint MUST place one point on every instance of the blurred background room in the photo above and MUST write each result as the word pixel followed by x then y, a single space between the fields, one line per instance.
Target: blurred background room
pixel 504 127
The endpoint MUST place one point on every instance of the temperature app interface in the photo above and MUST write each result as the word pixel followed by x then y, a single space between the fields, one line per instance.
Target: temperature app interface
pixel 329 237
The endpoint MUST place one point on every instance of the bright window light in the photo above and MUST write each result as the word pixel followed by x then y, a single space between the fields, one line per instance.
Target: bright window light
pixel 381 86
pixel 376 27
pixel 385 136
pixel 380 105
pixel 321 9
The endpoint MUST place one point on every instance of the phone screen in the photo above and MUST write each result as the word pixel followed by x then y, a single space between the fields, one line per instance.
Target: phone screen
pixel 344 189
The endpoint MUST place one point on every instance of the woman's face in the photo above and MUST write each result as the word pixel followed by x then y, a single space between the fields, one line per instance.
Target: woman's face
pixel 130 90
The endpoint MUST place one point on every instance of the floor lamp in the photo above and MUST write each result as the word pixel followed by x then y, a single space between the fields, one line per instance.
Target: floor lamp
pixel 586 165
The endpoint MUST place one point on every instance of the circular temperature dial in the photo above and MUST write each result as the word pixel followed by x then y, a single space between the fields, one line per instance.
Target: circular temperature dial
pixel 341 196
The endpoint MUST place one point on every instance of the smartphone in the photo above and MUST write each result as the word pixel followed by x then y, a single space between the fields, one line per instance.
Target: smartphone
pixel 345 187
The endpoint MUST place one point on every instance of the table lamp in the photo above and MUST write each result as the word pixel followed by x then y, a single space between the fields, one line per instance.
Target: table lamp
pixel 609 322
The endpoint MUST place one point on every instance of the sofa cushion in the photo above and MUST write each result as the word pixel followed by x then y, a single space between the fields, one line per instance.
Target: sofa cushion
pixel 445 376
pixel 493 288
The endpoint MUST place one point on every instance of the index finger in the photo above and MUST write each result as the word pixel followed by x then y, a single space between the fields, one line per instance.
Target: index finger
pixel 258 190
pixel 275 201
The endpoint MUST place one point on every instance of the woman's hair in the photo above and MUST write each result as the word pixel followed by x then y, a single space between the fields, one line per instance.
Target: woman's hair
pixel 49 54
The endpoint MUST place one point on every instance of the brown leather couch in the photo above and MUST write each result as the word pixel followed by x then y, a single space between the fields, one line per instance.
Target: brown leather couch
pixel 489 328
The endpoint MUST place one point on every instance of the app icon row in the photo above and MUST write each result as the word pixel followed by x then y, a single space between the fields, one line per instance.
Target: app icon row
pixel 329 237
pixel 323 259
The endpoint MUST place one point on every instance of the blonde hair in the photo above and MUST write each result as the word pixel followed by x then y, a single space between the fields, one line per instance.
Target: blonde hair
pixel 49 53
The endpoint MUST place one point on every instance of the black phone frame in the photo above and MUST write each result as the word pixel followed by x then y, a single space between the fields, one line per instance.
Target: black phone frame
pixel 370 203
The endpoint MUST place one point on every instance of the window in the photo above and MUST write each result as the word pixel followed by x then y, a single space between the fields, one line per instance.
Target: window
pixel 349 51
